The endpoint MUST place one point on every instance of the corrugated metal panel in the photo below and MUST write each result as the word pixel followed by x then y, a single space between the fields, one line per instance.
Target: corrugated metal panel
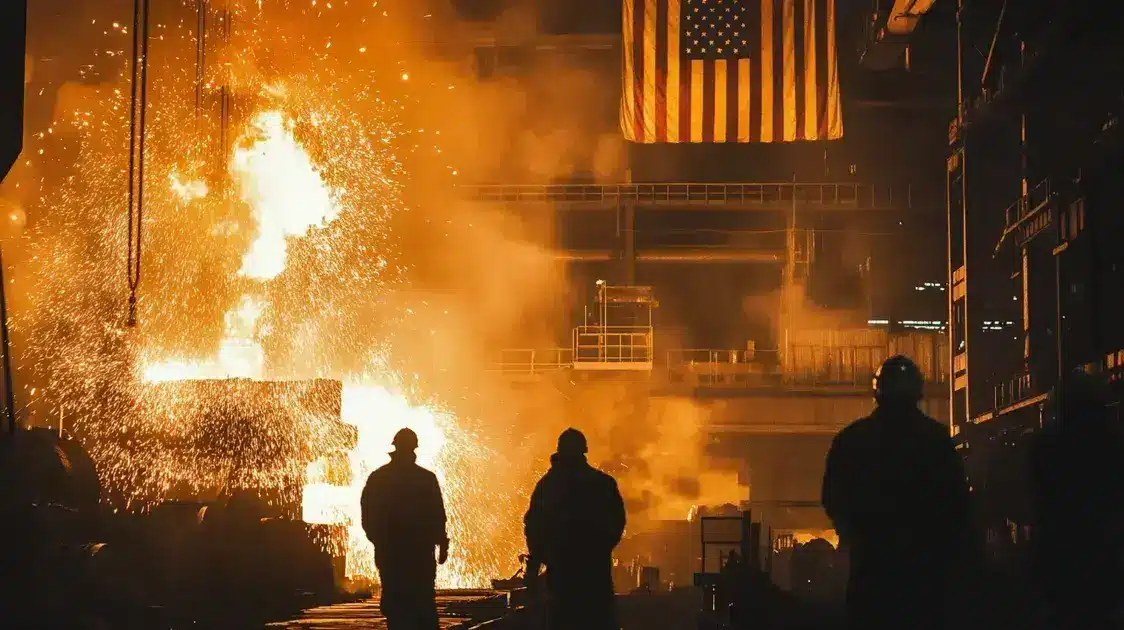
pixel 834 338
pixel 929 351
pixel 854 354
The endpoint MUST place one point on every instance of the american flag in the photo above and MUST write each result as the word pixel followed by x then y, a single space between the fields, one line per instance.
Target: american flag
pixel 730 71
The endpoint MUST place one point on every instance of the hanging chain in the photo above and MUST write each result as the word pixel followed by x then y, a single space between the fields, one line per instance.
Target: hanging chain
pixel 136 151
pixel 200 54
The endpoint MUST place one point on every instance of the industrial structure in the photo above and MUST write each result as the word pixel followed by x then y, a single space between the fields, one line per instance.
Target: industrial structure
pixel 1032 184
pixel 1034 192
pixel 773 392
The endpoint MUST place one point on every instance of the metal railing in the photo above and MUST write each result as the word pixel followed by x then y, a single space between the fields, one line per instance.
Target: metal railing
pixel 722 367
pixel 1014 390
pixel 612 344
pixel 533 361
pixel 834 365
pixel 803 365
pixel 745 195
pixel 626 347
pixel 1023 216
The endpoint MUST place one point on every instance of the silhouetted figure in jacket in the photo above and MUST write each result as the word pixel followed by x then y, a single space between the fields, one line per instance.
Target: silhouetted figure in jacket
pixel 1077 492
pixel 404 518
pixel 895 489
pixel 575 520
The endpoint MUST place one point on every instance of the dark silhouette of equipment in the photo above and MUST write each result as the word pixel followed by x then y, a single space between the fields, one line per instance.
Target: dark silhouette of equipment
pixel 13 43
pixel 13 51
pixel 1077 485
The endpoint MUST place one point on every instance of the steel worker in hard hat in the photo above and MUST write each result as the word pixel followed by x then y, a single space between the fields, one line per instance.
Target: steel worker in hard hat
pixel 575 520
pixel 1077 490
pixel 895 489
pixel 404 518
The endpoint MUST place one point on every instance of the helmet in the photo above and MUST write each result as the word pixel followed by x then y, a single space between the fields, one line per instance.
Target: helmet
pixel 405 440
pixel 572 442
pixel 898 380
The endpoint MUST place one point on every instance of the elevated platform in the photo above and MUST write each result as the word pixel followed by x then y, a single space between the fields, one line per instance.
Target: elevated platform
pixel 707 255
pixel 739 197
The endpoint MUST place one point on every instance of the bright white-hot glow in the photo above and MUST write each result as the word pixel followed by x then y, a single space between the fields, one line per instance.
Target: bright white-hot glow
pixel 189 190
pixel 377 414
pixel 288 197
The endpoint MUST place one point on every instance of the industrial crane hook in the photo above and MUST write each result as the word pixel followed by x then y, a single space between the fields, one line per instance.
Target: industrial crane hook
pixel 136 151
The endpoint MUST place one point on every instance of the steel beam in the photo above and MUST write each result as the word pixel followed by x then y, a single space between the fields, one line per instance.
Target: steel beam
pixel 678 255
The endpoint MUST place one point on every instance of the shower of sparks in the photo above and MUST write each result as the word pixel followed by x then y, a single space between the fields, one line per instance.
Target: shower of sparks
pixel 267 259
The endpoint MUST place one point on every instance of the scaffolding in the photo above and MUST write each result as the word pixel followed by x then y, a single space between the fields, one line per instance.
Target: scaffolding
pixel 621 336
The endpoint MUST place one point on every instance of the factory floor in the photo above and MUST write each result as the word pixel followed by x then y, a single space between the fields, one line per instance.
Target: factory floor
pixel 673 611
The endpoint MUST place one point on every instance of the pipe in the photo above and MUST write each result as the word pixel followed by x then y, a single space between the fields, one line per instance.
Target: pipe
pixel 678 255
pixel 826 429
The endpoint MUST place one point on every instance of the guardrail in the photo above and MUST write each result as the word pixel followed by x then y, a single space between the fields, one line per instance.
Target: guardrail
pixel 621 346
pixel 763 196
pixel 630 347
pixel 1014 391
pixel 803 365
pixel 531 361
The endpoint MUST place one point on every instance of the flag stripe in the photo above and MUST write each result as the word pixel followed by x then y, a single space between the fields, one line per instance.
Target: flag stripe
pixel 672 87
pixel 834 98
pixel 811 124
pixel 721 107
pixel 761 93
pixel 662 33
pixel 708 109
pixel 736 98
pixel 779 54
pixel 686 114
pixel 798 68
pixel 651 81
pixel 821 70
pixel 628 103
pixel 638 46
pixel 743 101
pixel 696 119
pixel 730 71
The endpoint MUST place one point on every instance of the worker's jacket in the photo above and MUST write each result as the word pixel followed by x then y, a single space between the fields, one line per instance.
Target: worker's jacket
pixel 403 512
pixel 576 515
pixel 895 489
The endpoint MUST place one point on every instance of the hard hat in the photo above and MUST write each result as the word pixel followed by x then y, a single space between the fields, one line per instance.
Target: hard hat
pixel 572 442
pixel 405 440
pixel 898 380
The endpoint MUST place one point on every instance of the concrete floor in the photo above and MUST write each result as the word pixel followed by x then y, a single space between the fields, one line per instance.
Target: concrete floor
pixel 456 610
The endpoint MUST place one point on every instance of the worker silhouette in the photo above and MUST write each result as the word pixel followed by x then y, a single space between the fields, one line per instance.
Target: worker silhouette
pixel 575 520
pixel 1077 498
pixel 895 489
pixel 404 518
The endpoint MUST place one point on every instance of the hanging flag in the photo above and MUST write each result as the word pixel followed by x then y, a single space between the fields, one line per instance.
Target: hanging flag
pixel 730 71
